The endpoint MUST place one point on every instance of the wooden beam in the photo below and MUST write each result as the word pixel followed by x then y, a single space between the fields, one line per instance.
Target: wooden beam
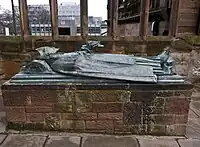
pixel 109 12
pixel 144 19
pixel 24 19
pixel 84 19
pixel 54 18
pixel 174 18
pixel 198 24
pixel 113 21
pixel 13 17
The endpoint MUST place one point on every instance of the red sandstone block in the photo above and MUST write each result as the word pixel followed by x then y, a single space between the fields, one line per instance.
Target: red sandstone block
pixel 176 130
pixel 73 124
pixel 154 129
pixel 79 125
pixel 62 107
pixel 42 97
pixel 181 119
pixel 177 106
pixel 106 95
pixel 39 109
pixel 120 126
pixel 99 125
pixel 35 117
pixel 110 116
pixel 15 114
pixel 107 107
pixel 183 93
pixel 87 116
pixel 68 116
pixel 164 93
pixel 163 119
pixel 79 116
pixel 14 97
pixel 56 116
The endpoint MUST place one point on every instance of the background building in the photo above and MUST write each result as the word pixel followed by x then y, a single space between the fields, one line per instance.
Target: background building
pixel 159 17
pixel 68 20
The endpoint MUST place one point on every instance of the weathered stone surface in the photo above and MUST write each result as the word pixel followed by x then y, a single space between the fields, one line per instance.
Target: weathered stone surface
pixel 99 125
pixel 10 68
pixel 110 116
pixel 90 113
pixel 154 129
pixel 193 128
pixel 181 119
pixel 60 141
pixel 105 95
pixel 157 143
pixel 195 107
pixel 189 143
pixel 143 96
pixel 65 96
pixel 83 102
pixel 109 142
pixel 162 119
pixel 177 106
pixel 132 113
pixel 73 125
pixel 35 117
pixel 2 137
pixel 192 114
pixel 3 122
pixel 24 141
pixel 183 93
pixel 62 107
pixel 14 97
pixel 107 107
pixel 52 121
pixel 176 130
pixel 86 116
pixel 39 109
pixel 41 97
pixel 153 110
pixel 15 114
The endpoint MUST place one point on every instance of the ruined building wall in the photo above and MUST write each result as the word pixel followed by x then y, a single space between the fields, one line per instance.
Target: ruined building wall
pixel 188 17
pixel 132 29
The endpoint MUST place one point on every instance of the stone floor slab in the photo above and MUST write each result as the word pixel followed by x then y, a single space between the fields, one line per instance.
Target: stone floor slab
pixel 2 137
pixel 193 132
pixel 3 122
pixel 24 141
pixel 60 141
pixel 192 114
pixel 157 143
pixel 193 128
pixel 109 141
pixel 195 106
pixel 189 143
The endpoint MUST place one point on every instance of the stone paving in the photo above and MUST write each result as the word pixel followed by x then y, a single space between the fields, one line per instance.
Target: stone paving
pixel 35 139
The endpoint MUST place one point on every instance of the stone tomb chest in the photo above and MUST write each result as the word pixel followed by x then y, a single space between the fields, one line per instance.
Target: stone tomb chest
pixel 98 93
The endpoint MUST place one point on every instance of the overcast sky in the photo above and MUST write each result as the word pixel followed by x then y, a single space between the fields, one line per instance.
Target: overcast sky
pixel 96 7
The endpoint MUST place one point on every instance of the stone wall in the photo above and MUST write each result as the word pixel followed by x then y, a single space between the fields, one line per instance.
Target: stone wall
pixel 132 29
pixel 151 109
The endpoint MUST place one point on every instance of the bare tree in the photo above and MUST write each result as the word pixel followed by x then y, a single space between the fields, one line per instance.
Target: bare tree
pixel 39 15
pixel 6 20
